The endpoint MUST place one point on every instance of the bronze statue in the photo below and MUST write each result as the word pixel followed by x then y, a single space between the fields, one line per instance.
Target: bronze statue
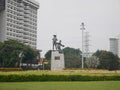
pixel 56 45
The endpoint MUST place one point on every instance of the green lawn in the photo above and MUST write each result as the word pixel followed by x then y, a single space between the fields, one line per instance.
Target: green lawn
pixel 93 85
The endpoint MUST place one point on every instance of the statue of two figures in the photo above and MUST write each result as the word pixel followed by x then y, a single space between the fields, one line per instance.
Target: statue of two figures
pixel 56 45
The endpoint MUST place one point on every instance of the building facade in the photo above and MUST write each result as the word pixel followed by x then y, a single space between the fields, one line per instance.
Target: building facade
pixel 119 45
pixel 18 21
pixel 115 45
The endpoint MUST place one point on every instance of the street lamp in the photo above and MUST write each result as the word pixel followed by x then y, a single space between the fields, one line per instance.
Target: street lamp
pixel 82 28
pixel 21 56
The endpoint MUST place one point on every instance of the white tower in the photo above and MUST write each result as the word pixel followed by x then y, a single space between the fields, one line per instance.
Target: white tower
pixel 114 46
pixel 119 45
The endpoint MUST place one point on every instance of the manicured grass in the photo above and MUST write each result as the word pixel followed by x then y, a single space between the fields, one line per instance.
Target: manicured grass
pixel 99 85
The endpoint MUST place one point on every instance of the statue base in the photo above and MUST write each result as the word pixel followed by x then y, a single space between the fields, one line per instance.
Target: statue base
pixel 57 60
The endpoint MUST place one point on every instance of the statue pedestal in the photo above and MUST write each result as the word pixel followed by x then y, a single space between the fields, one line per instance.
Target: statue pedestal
pixel 57 60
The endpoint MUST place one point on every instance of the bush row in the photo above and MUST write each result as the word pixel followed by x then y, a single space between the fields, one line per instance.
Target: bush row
pixel 24 78
pixel 10 69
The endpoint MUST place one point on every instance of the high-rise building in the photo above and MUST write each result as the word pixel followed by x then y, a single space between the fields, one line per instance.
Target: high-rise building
pixel 115 45
pixel 119 45
pixel 18 21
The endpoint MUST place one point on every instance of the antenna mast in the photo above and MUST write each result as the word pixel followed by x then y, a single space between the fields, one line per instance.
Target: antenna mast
pixel 82 28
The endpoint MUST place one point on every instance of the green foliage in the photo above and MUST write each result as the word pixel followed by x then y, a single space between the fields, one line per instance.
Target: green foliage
pixel 72 57
pixel 92 62
pixel 29 54
pixel 10 69
pixel 72 61
pixel 47 77
pixel 107 60
pixel 72 51
pixel 65 75
pixel 10 50
pixel 47 66
pixel 47 59
pixel 48 55
pixel 9 53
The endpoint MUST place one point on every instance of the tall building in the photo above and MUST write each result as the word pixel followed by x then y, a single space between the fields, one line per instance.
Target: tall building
pixel 18 21
pixel 119 45
pixel 115 45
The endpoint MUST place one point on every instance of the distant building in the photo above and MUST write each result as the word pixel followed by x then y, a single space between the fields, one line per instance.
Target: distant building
pixel 119 45
pixel 115 45
pixel 18 21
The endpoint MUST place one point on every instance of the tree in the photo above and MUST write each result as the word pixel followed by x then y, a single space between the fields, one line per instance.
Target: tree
pixel 72 57
pixel 9 53
pixel 1 45
pixel 72 61
pixel 107 60
pixel 10 50
pixel 48 65
pixel 92 62
pixel 47 59
pixel 73 51
pixel 48 55
pixel 29 55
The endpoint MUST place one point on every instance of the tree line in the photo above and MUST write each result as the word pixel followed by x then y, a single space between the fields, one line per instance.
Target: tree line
pixel 10 54
pixel 11 50
pixel 101 59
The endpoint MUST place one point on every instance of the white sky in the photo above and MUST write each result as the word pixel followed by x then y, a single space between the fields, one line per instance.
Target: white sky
pixel 63 17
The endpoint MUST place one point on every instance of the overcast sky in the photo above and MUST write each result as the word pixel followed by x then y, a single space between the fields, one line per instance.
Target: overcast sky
pixel 63 18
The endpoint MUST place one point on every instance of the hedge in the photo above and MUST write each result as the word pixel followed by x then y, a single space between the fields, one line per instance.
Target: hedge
pixel 10 69
pixel 25 78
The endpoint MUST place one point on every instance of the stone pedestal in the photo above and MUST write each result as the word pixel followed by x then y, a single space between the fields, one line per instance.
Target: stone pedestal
pixel 57 60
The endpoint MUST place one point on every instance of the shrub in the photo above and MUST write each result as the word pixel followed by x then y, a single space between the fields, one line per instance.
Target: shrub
pixel 24 78
pixel 10 69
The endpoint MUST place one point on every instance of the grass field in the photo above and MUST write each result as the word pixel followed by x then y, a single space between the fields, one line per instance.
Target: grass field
pixel 99 85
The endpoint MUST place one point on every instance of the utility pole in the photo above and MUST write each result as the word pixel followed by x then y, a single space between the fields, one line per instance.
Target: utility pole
pixel 21 56
pixel 82 28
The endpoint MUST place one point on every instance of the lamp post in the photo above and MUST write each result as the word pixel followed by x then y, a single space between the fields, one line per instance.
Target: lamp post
pixel 21 56
pixel 82 28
